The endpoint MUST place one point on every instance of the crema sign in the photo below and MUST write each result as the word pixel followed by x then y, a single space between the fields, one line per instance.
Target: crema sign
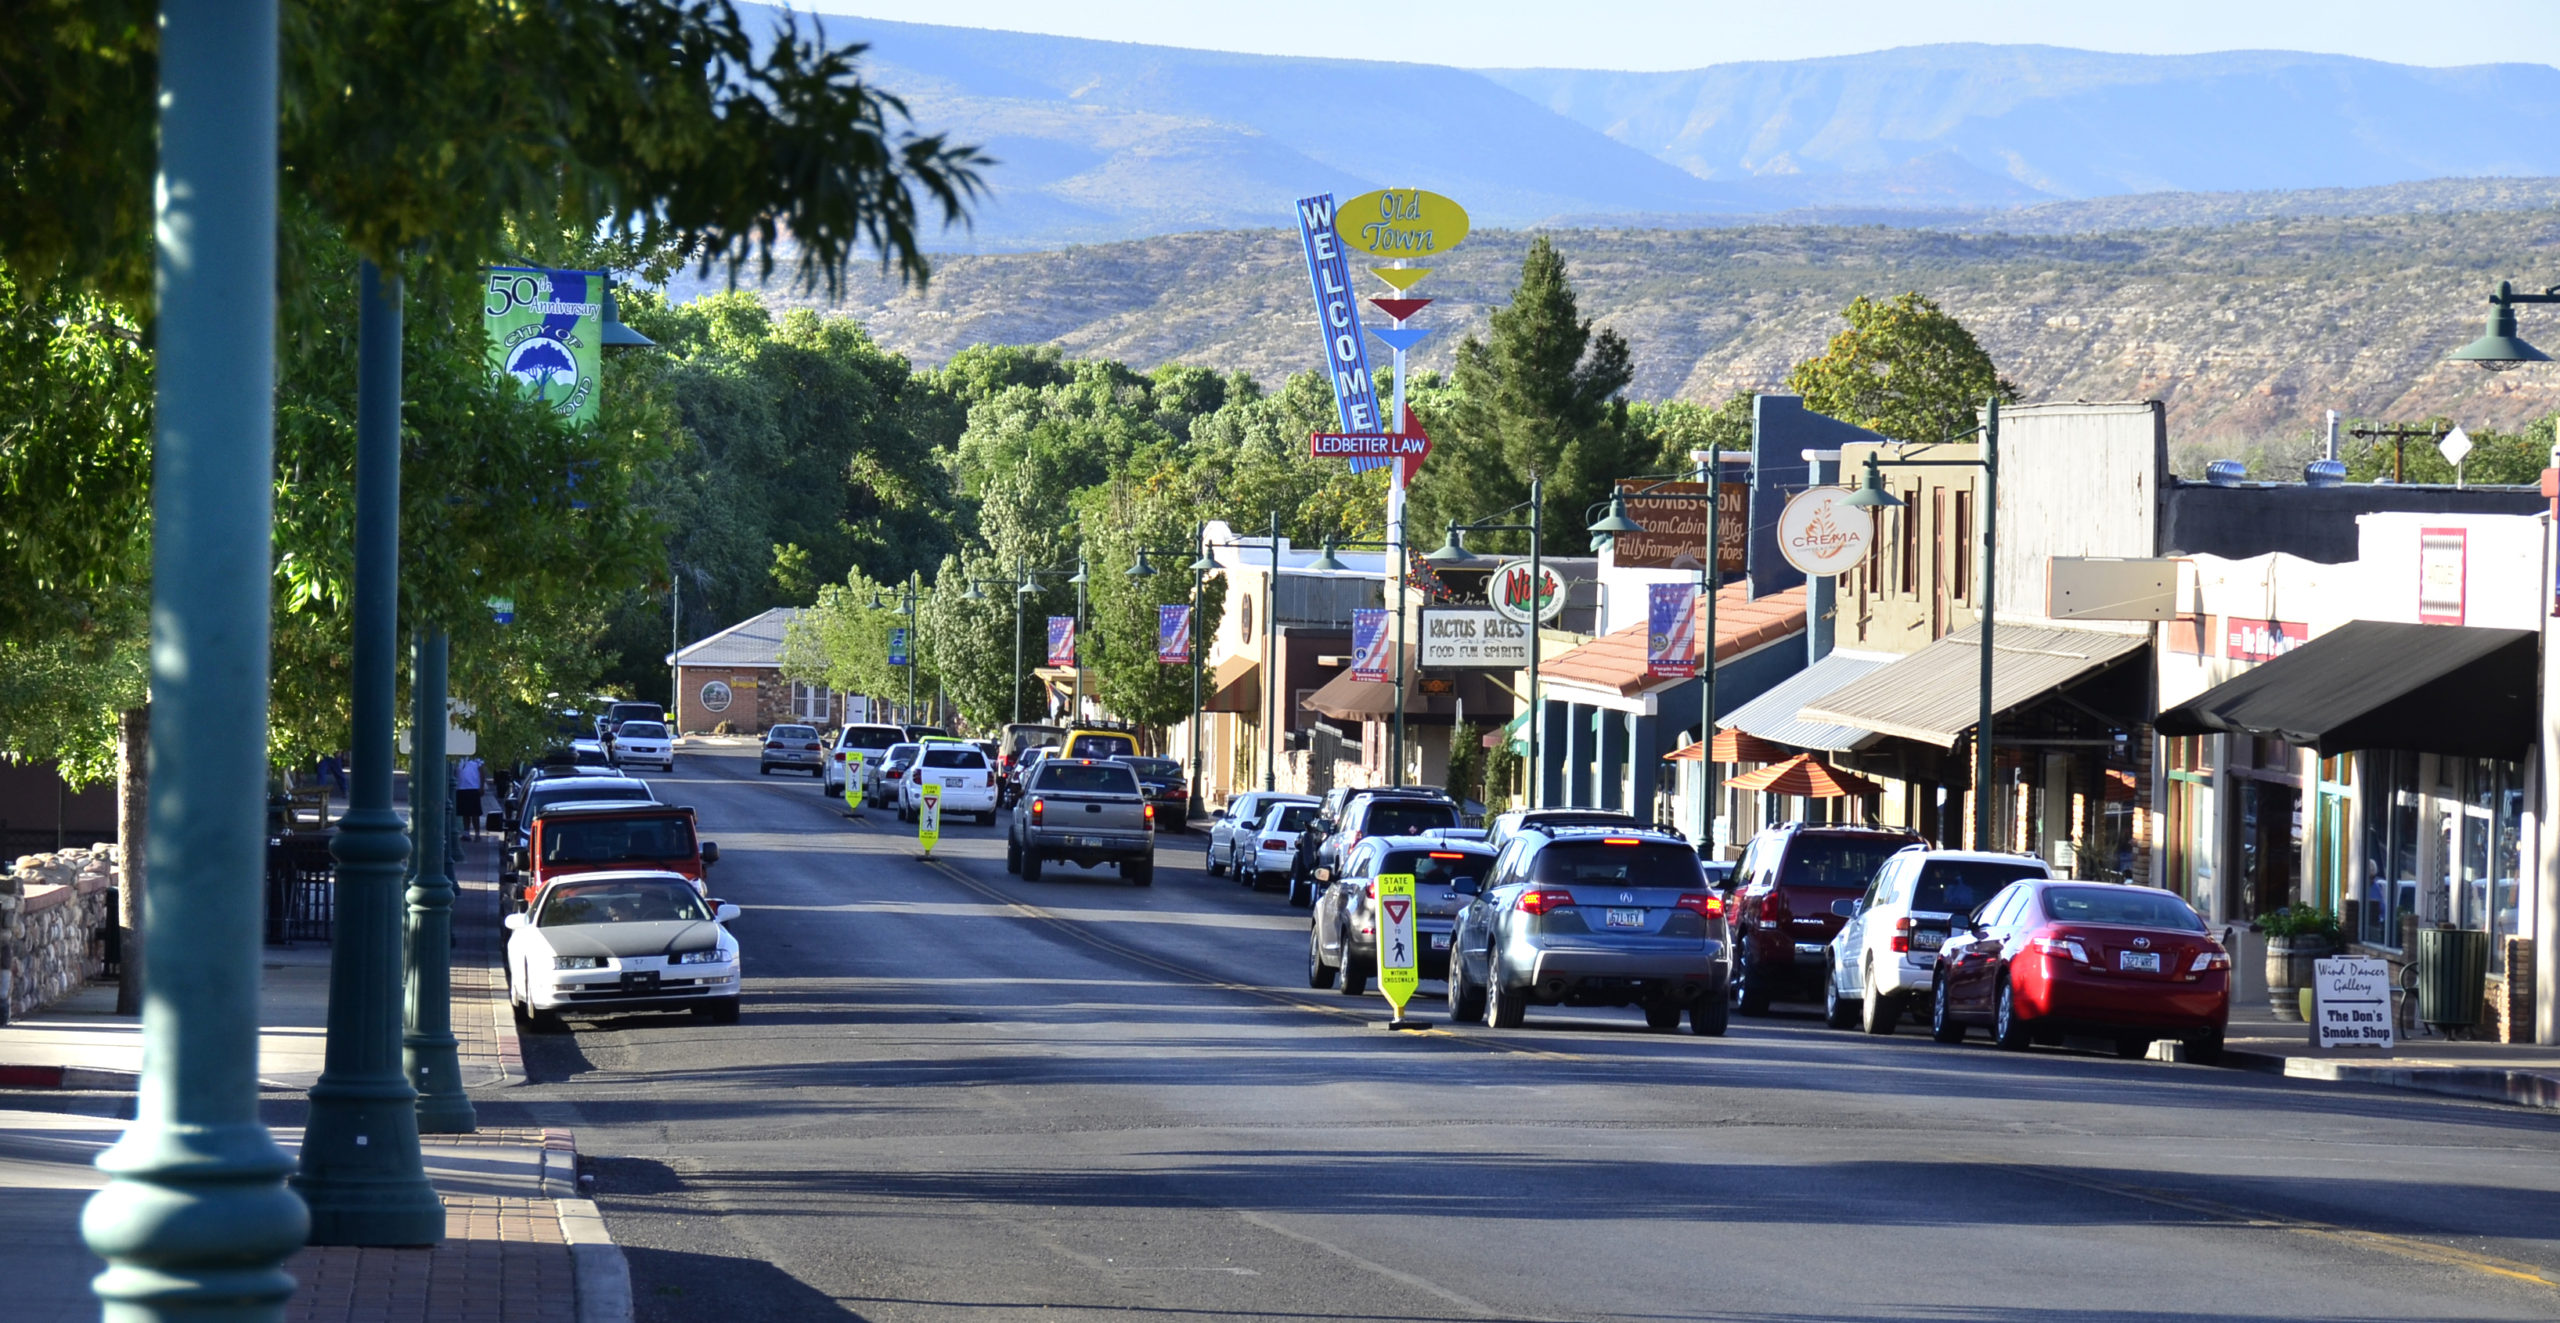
pixel 1820 533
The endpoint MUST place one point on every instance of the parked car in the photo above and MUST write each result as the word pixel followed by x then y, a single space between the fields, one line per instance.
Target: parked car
pixel 873 739
pixel 621 714
pixel 1021 737
pixel 2045 959
pixel 598 836
pixel 1591 916
pixel 967 779
pixel 1162 781
pixel 645 743
pixel 1886 956
pixel 589 753
pixel 1085 810
pixel 564 790
pixel 1373 811
pixel 1505 825
pixel 1271 845
pixel 1082 742
pixel 795 747
pixel 1234 831
pixel 880 783
pixel 1782 918
pixel 1342 927
pixel 622 941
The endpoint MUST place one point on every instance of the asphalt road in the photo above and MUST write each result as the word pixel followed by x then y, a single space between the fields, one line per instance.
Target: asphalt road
pixel 957 1095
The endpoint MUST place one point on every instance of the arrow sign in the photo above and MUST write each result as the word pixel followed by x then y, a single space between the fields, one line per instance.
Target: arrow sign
pixel 1400 338
pixel 1402 277
pixel 1401 309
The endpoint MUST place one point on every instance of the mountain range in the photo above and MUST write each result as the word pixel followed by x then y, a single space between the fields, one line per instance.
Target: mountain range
pixel 1101 141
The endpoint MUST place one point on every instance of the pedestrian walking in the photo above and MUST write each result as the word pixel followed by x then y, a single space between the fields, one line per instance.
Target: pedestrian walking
pixel 466 795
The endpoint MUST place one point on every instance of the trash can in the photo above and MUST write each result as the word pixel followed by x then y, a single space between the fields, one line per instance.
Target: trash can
pixel 2453 976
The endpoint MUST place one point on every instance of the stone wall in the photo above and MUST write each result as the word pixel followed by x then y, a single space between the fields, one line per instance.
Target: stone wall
pixel 56 911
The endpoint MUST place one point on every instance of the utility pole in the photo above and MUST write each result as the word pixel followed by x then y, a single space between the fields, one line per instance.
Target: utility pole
pixel 1271 662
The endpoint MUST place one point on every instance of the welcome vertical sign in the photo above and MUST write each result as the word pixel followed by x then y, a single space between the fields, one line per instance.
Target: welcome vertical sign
pixel 1346 353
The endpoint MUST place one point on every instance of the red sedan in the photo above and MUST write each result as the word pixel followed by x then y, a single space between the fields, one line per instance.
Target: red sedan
pixel 2046 958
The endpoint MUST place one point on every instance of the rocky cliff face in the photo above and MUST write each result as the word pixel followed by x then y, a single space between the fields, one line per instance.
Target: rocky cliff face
pixel 2246 331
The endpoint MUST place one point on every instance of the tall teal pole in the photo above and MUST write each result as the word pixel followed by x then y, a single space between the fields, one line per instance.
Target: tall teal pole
pixel 427 1050
pixel 360 1168
pixel 195 1221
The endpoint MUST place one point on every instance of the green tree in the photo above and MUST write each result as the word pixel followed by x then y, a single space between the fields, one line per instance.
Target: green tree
pixel 1904 368
pixel 1669 430
pixel 2516 458
pixel 1539 395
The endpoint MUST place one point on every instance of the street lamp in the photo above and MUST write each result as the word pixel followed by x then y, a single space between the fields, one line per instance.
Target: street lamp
pixel 2499 348
pixel 1076 656
pixel 1025 585
pixel 1606 531
pixel 1871 495
pixel 907 593
pixel 1201 565
pixel 1453 554
pixel 1387 550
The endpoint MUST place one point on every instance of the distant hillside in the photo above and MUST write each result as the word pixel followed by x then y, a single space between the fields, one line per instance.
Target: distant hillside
pixel 2247 331
pixel 1102 141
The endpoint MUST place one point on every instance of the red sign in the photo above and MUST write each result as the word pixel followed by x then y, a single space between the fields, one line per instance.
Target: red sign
pixel 1396 909
pixel 2261 640
pixel 1370 445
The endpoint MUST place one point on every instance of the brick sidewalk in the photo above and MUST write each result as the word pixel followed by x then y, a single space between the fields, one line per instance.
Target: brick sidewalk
pixel 503 1261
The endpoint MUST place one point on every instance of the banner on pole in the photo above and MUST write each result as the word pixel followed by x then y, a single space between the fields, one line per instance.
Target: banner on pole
pixel 1369 659
pixel 1671 632
pixel 898 646
pixel 1346 351
pixel 1173 635
pixel 1062 640
pixel 546 331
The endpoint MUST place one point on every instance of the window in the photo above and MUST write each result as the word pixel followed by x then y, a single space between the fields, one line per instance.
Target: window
pixel 814 703
pixel 1956 886
pixel 1964 546
pixel 1093 778
pixel 2136 907
pixel 1907 524
pixel 2389 885
pixel 969 759
pixel 2187 836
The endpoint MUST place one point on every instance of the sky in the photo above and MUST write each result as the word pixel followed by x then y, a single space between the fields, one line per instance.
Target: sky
pixel 1686 34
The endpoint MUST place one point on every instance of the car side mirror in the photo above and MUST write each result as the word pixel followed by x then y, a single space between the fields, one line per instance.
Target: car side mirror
pixel 722 911
pixel 1847 909
pixel 710 852
pixel 515 921
pixel 1466 886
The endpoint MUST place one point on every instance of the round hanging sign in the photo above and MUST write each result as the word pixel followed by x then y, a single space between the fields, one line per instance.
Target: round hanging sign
pixel 1400 222
pixel 1822 534
pixel 1512 588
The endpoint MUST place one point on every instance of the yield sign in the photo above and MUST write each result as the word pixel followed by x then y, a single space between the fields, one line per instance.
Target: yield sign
pixel 1396 910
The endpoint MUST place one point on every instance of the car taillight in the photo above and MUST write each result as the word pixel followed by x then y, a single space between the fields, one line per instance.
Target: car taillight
pixel 1038 807
pixel 1705 904
pixel 1151 817
pixel 1277 843
pixel 2206 960
pixel 1446 854
pixel 811 747
pixel 1176 792
pixel 1902 933
pixel 1542 900
pixel 2058 946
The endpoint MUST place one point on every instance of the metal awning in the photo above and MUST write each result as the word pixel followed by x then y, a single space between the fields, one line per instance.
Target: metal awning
pixel 2373 684
pixel 1774 715
pixel 1934 695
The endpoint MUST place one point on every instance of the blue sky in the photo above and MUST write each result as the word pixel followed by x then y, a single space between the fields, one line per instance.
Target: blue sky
pixel 1671 34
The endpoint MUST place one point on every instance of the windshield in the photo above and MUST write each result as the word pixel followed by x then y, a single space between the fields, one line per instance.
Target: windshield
pixel 1405 817
pixel 590 753
pixel 603 840
pixel 1840 863
pixel 628 900
pixel 556 793
pixel 792 733
pixel 1102 746
pixel 1960 886
pixel 871 737
pixel 638 712
pixel 1100 779
pixel 1154 766
pixel 2135 907
pixel 1293 817
pixel 968 758
pixel 1596 862
pixel 1019 738
pixel 643 730
pixel 1435 868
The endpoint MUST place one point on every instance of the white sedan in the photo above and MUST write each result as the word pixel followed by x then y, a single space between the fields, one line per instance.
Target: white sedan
pixel 601 943
pixel 645 743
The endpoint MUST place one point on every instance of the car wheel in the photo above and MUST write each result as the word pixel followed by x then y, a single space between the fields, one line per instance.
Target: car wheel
pixel 1878 1014
pixel 1352 978
pixel 1139 872
pixel 2133 1047
pixel 1466 1000
pixel 764 769
pixel 1836 1010
pixel 1031 863
pixel 1012 854
pixel 1505 1007
pixel 1319 974
pixel 1943 1025
pixel 546 1022
pixel 1664 1017
pixel 1750 992
pixel 2205 1049
pixel 2010 1030
pixel 1212 866
pixel 1709 1016
pixel 987 819
pixel 1299 894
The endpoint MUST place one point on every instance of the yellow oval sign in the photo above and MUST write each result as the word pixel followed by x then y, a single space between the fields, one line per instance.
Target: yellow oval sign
pixel 1401 222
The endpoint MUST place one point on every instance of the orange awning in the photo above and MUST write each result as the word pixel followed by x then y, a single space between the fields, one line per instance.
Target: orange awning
pixel 1802 775
pixel 1731 746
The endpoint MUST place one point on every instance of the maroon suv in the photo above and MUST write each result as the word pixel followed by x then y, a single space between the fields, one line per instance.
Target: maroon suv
pixel 1781 906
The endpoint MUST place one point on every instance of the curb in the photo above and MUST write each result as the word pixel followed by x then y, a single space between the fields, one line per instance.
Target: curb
pixel 2519 1088
pixel 603 1276
pixel 68 1077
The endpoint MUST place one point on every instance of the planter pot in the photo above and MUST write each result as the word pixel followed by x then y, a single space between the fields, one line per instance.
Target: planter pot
pixel 2289 961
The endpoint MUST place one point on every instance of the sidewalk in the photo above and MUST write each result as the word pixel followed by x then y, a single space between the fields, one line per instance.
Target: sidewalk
pixel 2423 1061
pixel 520 1245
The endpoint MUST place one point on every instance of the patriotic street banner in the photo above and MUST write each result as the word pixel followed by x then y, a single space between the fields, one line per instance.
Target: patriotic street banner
pixel 1062 640
pixel 1671 634
pixel 1346 350
pixel 546 331
pixel 1173 635
pixel 1369 659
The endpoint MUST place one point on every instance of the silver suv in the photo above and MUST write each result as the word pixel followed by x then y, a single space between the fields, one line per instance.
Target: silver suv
pixel 1591 916
pixel 1342 932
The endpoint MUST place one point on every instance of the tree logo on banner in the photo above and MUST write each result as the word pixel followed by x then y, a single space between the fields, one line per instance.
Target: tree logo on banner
pixel 1822 534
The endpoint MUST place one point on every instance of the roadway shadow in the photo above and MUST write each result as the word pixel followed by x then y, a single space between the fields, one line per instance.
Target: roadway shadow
pixel 674 1286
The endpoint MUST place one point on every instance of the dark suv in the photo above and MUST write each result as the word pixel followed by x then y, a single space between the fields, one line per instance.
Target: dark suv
pixel 1782 917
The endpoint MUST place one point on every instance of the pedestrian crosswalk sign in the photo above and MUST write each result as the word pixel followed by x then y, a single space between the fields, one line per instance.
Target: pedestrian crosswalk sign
pixel 853 782
pixel 1398 969
pixel 929 814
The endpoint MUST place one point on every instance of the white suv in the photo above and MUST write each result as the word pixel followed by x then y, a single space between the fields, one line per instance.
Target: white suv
pixel 1887 954
pixel 967 778
pixel 873 739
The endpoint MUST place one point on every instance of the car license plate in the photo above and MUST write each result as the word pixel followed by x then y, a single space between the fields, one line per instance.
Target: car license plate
pixel 1626 918
pixel 1439 941
pixel 1925 940
pixel 640 980
pixel 1093 842
pixel 2138 962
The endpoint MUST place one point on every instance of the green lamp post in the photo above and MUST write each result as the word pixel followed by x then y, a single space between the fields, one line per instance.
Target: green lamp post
pixel 1453 554
pixel 195 1221
pixel 1141 569
pixel 1387 551
pixel 2499 348
pixel 1606 531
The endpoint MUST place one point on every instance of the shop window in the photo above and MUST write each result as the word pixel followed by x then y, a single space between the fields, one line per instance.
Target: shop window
pixel 1964 546
pixel 2187 832
pixel 1908 521
pixel 2392 816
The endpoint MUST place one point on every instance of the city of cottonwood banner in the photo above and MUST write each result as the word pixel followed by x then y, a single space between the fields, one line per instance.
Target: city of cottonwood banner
pixel 546 331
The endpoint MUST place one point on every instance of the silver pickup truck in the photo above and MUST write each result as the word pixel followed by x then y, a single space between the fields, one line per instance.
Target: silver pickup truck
pixel 1086 810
